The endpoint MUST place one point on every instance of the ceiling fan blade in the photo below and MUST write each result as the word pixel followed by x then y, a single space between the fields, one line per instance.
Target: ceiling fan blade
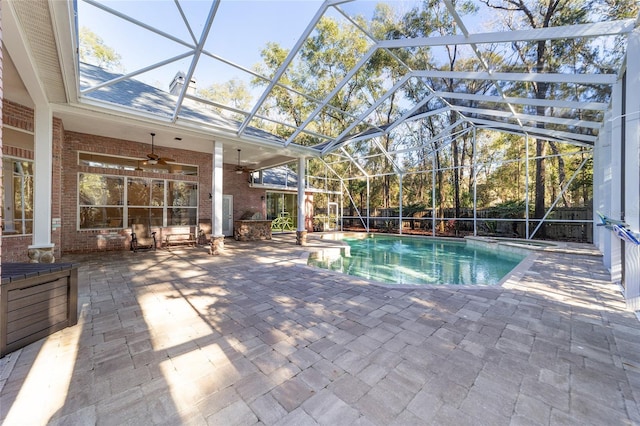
pixel 152 156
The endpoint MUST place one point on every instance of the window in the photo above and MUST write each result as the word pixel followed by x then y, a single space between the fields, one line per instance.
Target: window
pixel 130 164
pixel 145 201
pixel 182 201
pixel 101 201
pixel 159 202
pixel 282 208
pixel 17 218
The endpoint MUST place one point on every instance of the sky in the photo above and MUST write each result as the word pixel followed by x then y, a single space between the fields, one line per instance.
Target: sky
pixel 241 29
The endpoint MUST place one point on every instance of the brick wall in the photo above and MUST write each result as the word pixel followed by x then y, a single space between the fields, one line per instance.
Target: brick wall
pixel 74 240
pixel 21 117
pixel 245 198
pixel 1 122
pixel 56 184
pixel 17 116
pixel 14 248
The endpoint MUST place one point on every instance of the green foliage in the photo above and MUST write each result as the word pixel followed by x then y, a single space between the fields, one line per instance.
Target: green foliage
pixel 413 208
pixel 508 210
pixel 496 163
pixel 94 51
pixel 233 93
pixel 326 57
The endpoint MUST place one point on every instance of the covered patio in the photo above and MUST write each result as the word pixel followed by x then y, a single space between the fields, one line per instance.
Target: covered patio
pixel 257 337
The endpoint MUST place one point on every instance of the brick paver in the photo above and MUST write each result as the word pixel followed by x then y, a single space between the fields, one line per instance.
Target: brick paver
pixel 256 337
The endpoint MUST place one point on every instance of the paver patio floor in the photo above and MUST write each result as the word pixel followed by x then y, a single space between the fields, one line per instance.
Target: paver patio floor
pixel 255 337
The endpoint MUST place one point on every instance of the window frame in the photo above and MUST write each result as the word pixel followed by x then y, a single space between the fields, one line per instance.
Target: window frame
pixel 125 205
pixel 23 220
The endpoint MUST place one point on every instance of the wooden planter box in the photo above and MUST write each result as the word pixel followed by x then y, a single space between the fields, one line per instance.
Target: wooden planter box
pixel 36 300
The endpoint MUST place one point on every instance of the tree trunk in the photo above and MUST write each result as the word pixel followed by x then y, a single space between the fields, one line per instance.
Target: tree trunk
pixel 541 150
pixel 439 182
pixel 562 176
pixel 541 146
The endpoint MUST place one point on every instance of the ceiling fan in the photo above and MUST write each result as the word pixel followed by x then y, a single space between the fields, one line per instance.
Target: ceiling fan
pixel 153 158
pixel 240 169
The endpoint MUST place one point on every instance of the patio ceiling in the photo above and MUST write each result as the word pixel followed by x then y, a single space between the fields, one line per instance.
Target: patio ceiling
pixel 193 38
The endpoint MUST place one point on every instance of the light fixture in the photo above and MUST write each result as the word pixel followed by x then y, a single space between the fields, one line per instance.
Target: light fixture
pixel 239 167
pixel 153 158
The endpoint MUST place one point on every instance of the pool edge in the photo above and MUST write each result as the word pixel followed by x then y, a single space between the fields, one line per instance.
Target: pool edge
pixel 530 251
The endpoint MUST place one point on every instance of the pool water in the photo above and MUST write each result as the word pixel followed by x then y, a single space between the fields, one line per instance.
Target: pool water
pixel 421 260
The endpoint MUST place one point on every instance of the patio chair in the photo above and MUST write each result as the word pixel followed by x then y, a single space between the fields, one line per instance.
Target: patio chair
pixel 142 237
pixel 204 231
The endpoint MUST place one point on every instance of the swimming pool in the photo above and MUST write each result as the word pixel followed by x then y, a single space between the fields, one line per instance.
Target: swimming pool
pixel 420 261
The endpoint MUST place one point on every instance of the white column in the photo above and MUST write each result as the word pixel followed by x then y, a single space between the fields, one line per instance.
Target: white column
pixel 301 231
pixel 602 187
pixel 632 167
pixel 400 177
pixel 613 182
pixel 302 172
pixel 526 187
pixel 475 183
pixel 216 194
pixel 217 219
pixel 43 163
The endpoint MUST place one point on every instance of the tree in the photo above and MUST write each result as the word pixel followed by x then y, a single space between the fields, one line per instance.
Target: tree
pixel 94 51
pixel 545 56
pixel 324 60
pixel 233 93
pixel 432 17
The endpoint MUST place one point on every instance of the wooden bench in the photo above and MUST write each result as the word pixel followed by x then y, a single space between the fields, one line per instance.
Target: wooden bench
pixel 180 236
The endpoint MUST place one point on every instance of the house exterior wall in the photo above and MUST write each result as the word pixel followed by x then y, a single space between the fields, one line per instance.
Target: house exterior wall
pixel 1 122
pixel 245 198
pixel 75 240
pixel 253 200
pixel 64 202
pixel 21 117
pixel 14 247
pixel 57 195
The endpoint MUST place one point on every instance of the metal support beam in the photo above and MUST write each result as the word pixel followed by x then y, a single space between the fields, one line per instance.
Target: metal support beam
pixel 526 185
pixel 400 176
pixel 475 185
pixel 564 189
pixel 433 196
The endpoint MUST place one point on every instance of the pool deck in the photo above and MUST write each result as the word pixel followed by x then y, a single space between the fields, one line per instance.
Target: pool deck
pixel 255 336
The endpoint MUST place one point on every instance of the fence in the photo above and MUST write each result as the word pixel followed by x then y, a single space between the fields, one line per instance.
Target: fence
pixel 563 224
